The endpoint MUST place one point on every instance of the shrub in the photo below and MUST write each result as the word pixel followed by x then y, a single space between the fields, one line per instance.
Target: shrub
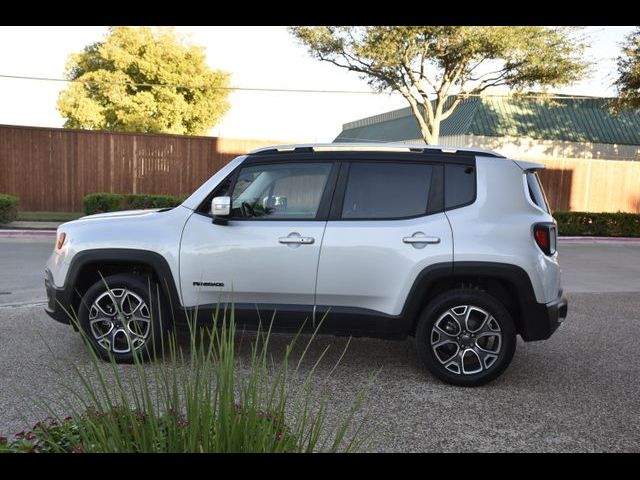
pixel 113 202
pixel 8 208
pixel 103 202
pixel 134 202
pixel 199 400
pixel 598 224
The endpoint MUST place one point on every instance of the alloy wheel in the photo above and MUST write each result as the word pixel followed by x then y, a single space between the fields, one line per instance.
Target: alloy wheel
pixel 466 339
pixel 120 321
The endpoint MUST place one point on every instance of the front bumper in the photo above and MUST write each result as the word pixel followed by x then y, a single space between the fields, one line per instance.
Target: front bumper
pixel 55 300
pixel 542 320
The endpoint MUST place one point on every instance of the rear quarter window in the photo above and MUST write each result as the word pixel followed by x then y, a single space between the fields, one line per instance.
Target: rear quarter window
pixel 536 192
pixel 459 185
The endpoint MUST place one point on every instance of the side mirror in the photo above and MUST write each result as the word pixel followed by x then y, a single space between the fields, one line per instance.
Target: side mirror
pixel 220 209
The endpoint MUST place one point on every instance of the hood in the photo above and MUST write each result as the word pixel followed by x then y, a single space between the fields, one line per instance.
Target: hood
pixel 124 213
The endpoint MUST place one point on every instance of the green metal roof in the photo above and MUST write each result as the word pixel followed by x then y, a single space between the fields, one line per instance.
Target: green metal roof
pixel 571 119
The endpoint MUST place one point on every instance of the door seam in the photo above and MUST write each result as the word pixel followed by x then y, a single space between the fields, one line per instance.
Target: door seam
pixel 315 285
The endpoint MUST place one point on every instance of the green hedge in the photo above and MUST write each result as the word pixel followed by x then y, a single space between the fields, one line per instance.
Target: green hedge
pixel 598 224
pixel 113 202
pixel 8 208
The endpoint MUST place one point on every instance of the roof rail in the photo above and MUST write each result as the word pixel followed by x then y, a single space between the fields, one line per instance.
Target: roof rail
pixel 373 147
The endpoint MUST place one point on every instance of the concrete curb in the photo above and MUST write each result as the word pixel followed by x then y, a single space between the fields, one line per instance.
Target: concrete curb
pixel 38 228
pixel 599 239
pixel 23 225
pixel 27 233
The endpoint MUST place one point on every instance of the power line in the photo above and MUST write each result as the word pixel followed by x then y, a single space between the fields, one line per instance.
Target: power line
pixel 172 85
pixel 282 90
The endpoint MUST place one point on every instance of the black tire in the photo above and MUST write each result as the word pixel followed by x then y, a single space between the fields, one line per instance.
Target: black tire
pixel 497 336
pixel 143 335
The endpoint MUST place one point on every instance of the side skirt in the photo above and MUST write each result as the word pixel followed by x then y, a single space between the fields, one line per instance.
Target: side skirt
pixel 340 321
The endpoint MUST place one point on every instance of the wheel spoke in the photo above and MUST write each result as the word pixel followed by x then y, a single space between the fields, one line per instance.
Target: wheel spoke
pixel 449 325
pixel 117 337
pixel 489 327
pixel 140 333
pixel 130 303
pixel 475 316
pixel 454 366
pixel 469 358
pixel 115 295
pixel 486 357
pixel 445 351
pixel 98 311
pixel 97 333
pixel 446 335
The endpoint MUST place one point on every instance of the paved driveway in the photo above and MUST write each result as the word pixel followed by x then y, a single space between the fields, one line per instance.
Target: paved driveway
pixel 577 391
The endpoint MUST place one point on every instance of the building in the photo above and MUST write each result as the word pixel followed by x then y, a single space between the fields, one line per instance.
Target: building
pixel 565 127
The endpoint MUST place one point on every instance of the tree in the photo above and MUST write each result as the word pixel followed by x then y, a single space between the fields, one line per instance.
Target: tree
pixel 435 67
pixel 628 82
pixel 143 80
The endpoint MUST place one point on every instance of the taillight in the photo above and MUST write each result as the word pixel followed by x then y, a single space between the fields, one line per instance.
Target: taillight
pixel 545 236
pixel 61 238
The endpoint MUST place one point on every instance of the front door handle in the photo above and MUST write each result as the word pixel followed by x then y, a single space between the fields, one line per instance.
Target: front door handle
pixel 295 238
pixel 421 238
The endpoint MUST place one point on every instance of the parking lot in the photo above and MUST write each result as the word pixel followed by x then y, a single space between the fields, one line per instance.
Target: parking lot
pixel 577 391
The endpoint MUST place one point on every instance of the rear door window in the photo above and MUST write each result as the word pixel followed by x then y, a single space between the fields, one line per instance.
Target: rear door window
pixel 387 190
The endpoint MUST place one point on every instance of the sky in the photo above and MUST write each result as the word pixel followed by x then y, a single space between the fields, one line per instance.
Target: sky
pixel 265 57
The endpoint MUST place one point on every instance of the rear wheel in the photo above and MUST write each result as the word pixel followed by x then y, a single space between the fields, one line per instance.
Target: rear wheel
pixel 121 317
pixel 466 337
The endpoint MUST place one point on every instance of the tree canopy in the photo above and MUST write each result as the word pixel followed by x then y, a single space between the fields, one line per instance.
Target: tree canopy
pixel 435 67
pixel 143 80
pixel 628 82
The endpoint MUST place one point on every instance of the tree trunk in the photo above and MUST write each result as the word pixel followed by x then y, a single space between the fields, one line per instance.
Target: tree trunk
pixel 431 133
pixel 435 132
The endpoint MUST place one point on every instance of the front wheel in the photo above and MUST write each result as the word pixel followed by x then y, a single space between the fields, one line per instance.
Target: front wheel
pixel 121 317
pixel 466 337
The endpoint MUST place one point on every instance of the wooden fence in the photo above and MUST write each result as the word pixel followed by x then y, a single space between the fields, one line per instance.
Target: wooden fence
pixel 581 185
pixel 52 169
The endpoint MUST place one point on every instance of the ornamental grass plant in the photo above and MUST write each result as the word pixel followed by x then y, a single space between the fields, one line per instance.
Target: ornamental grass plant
pixel 194 395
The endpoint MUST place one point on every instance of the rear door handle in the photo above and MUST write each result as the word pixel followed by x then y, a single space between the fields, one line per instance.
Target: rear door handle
pixel 295 238
pixel 421 238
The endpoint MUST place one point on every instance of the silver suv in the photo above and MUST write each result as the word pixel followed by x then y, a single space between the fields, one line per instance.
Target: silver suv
pixel 455 247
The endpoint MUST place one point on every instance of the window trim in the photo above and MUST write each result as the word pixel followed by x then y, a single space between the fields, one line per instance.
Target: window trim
pixel 341 188
pixel 204 206
pixel 325 199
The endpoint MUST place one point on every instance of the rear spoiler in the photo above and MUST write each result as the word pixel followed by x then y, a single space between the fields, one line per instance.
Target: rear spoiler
pixel 529 166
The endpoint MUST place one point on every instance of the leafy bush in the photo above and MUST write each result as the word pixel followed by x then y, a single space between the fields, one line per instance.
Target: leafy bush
pixel 113 202
pixel 8 208
pixel 598 224
pixel 198 400
pixel 134 202
pixel 102 202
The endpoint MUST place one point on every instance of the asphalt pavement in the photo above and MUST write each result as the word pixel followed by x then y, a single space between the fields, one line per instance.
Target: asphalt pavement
pixel 577 391
pixel 22 269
